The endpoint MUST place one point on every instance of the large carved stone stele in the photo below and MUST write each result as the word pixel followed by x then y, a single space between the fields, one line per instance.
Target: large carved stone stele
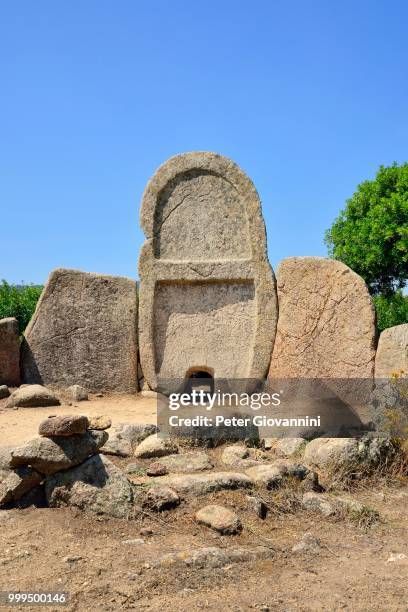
pixel 207 291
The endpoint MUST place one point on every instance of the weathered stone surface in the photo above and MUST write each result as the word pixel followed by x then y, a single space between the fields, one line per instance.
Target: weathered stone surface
pixel 96 485
pixel 286 447
pixel 15 483
pixel 257 505
pixel 161 498
pixel 187 462
pixel 32 396
pixel 84 331
pixel 330 506
pixel 392 352
pixel 200 484
pixel 99 422
pixel 135 433
pixel 326 324
pixel 323 452
pixel 343 452
pixel 48 455
pixel 212 557
pixel 4 391
pixel 5 456
pixel 219 518
pixel 316 502
pixel 156 469
pixel 272 475
pixel 117 446
pixel 64 425
pixel 308 544
pixel 124 438
pixel 208 301
pixel 78 393
pixel 153 446
pixel 237 456
pixel 9 352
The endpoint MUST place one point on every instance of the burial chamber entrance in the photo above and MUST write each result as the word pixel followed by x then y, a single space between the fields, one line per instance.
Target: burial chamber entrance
pixel 199 378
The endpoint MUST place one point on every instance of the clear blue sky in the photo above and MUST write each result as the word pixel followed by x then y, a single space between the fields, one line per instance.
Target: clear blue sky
pixel 309 98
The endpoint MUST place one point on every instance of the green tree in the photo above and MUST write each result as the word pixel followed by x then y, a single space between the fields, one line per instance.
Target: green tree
pixel 371 234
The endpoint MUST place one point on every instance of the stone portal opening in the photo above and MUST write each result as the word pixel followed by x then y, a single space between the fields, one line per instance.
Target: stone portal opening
pixel 200 378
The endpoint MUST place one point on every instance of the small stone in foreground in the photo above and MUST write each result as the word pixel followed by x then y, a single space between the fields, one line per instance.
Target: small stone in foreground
pixel 201 484
pixel 212 556
pixel 125 437
pixel 32 396
pixel 134 542
pixel 187 462
pixel 96 485
pixel 287 447
pixel 156 469
pixel 64 425
pixel 117 446
pixel 146 531
pixel 308 544
pixel 153 446
pixel 78 393
pixel 15 483
pixel 99 422
pixel 330 506
pixel 219 518
pixel 234 455
pixel 4 391
pixel 257 505
pixel 316 502
pixel 161 498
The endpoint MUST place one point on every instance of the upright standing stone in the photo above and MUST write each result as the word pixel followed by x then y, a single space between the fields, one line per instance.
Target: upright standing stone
pixel 9 353
pixel 326 326
pixel 392 352
pixel 84 331
pixel 207 293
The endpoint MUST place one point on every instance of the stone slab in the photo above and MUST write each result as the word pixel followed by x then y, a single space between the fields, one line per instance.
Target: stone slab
pixel 207 293
pixel 392 352
pixel 84 331
pixel 9 352
pixel 326 326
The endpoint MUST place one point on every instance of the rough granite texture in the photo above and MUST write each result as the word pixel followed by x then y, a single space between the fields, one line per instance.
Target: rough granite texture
pixel 32 396
pixel 84 331
pixel 207 294
pixel 326 326
pixel 9 352
pixel 392 352
pixel 48 456
pixel 96 485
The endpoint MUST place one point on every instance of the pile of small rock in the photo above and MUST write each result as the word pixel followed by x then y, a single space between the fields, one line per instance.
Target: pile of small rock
pixel 68 466
pixel 64 442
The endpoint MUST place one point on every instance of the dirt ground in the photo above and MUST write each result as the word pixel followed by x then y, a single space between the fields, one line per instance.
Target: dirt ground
pixel 17 426
pixel 66 550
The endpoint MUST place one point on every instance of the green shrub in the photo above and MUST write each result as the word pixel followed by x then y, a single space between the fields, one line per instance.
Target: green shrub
pixel 19 301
